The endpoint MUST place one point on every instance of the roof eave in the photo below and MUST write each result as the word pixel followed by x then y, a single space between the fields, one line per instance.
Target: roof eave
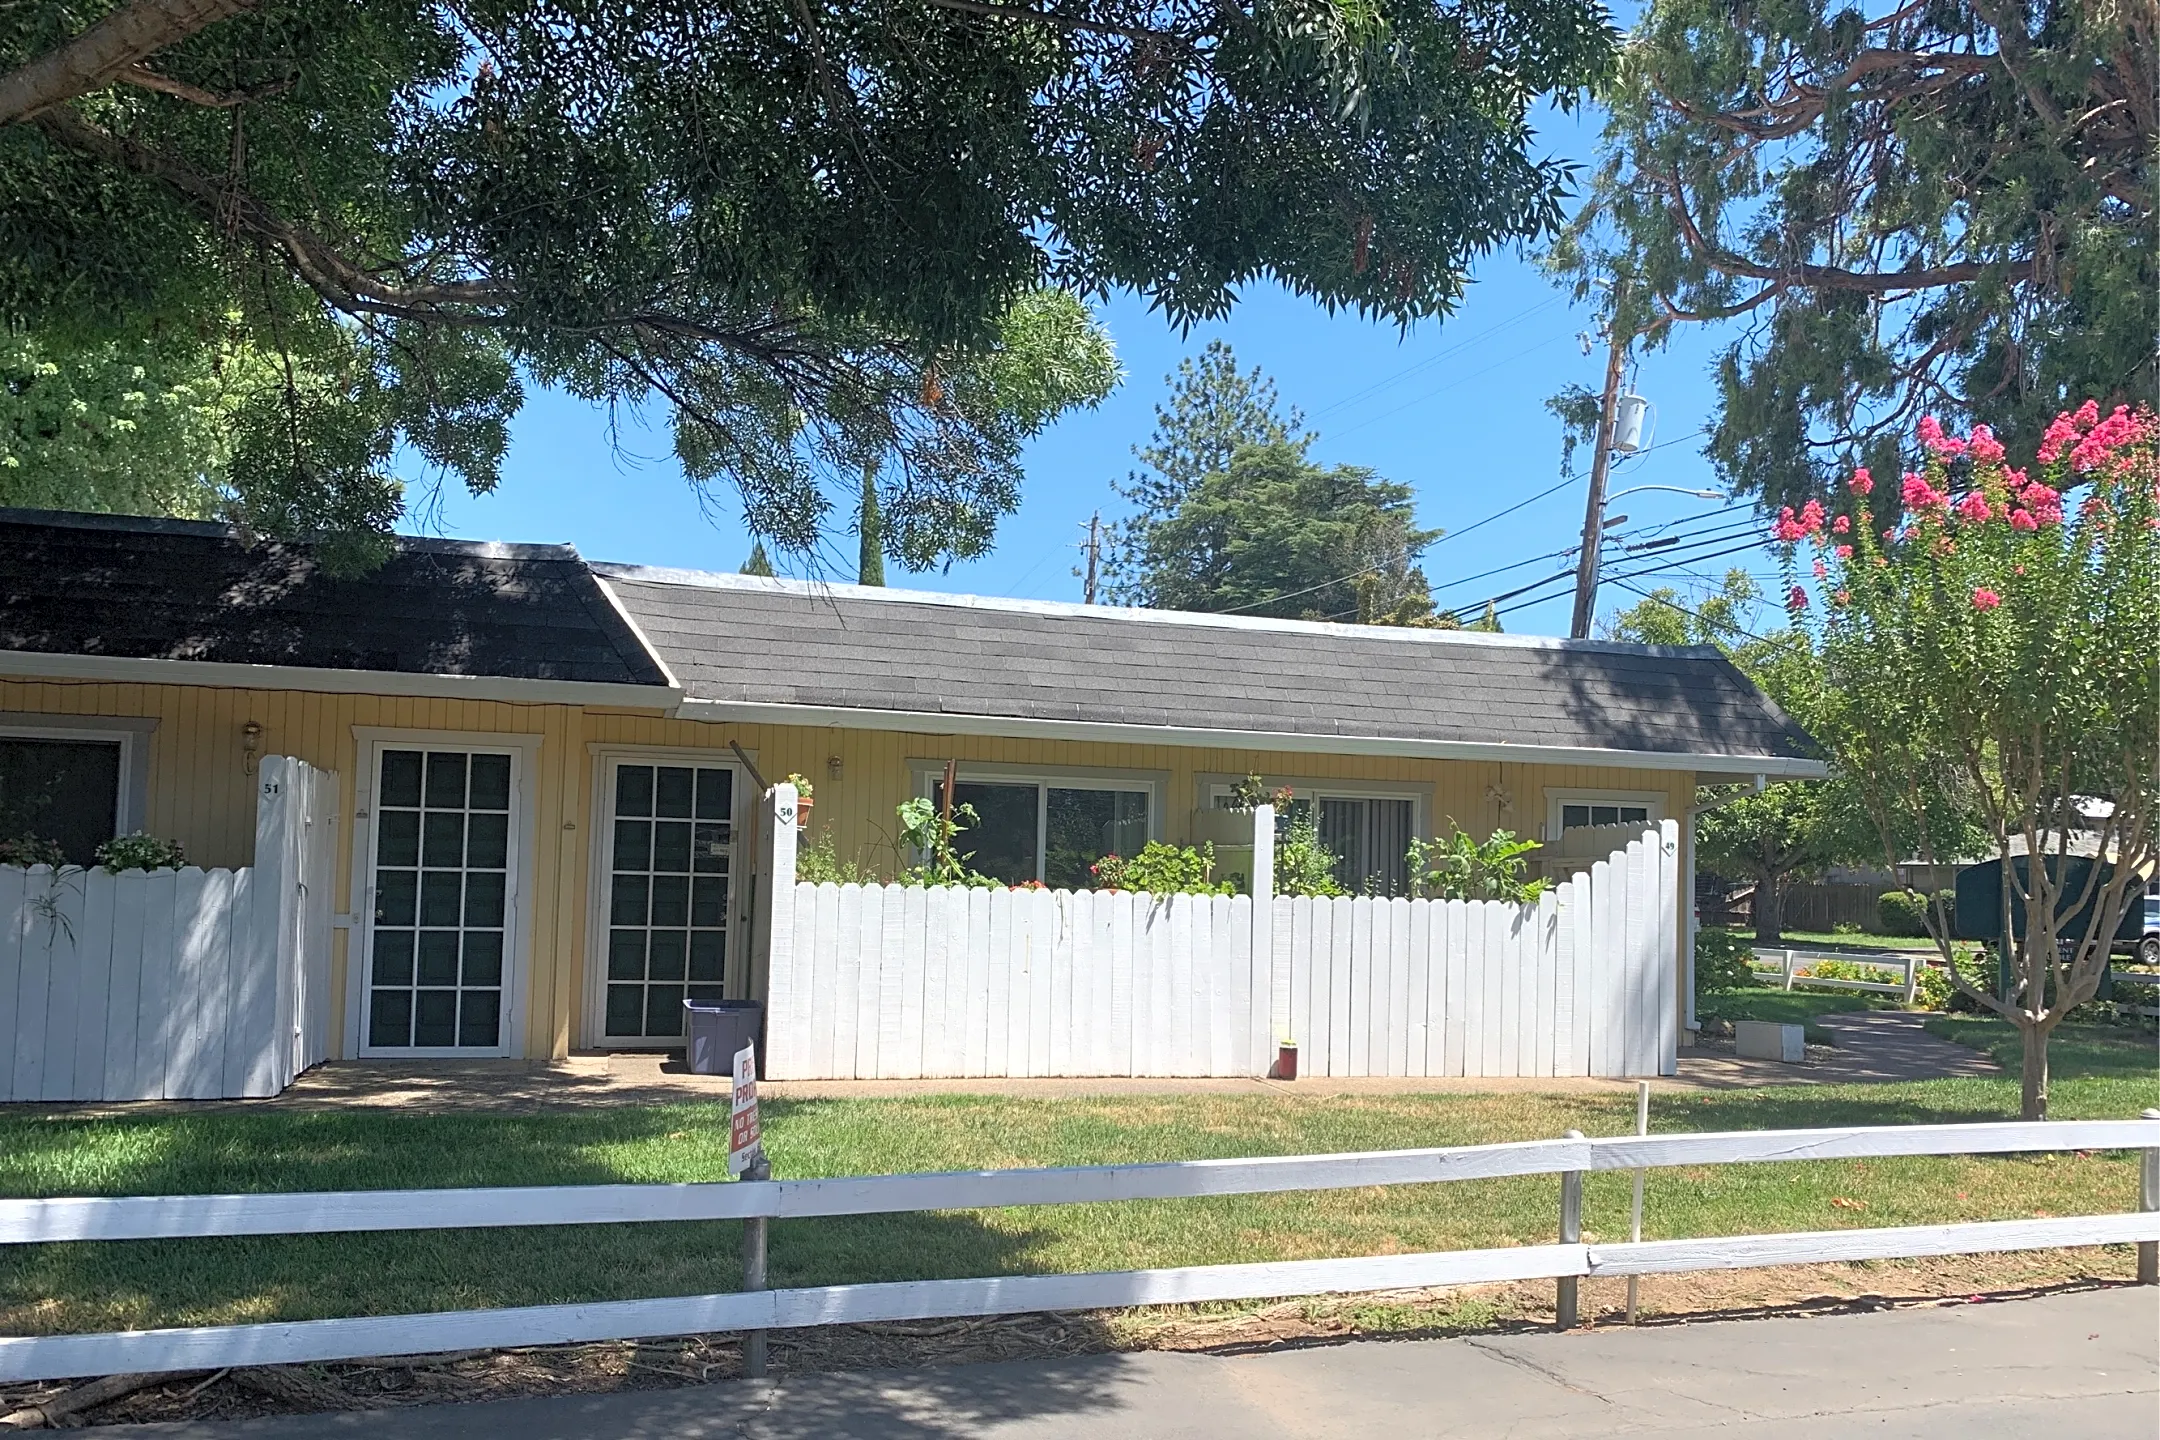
pixel 154 670
pixel 1778 767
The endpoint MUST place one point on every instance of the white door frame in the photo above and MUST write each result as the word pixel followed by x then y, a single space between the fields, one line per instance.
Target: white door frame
pixel 524 752
pixel 592 1016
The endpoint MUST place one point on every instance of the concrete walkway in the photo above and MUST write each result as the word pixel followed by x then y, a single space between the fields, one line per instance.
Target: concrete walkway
pixel 1873 1046
pixel 2082 1366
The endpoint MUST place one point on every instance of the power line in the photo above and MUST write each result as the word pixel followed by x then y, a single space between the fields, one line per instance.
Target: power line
pixel 1501 569
pixel 1450 535
pixel 1431 360
pixel 1458 380
pixel 1688 611
pixel 1658 569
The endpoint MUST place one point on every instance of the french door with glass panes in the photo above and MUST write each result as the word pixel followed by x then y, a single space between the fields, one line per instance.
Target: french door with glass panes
pixel 667 872
pixel 443 870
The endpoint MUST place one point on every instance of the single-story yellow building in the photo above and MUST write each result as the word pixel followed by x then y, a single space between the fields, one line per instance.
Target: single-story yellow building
pixel 548 769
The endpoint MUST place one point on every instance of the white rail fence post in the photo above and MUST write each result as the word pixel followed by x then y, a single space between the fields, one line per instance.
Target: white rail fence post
pixel 1566 1300
pixel 2148 1252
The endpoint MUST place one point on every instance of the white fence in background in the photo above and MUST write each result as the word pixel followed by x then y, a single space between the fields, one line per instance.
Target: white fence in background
pixel 904 982
pixel 42 1357
pixel 174 984
pixel 1784 966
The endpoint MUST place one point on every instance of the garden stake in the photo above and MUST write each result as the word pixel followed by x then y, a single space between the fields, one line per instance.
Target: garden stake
pixel 1642 1127
pixel 1564 1304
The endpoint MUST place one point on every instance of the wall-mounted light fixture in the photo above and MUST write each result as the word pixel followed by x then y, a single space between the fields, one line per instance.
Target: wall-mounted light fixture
pixel 832 767
pixel 250 745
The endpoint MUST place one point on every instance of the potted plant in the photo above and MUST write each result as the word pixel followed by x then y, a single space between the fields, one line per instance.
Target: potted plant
pixel 802 798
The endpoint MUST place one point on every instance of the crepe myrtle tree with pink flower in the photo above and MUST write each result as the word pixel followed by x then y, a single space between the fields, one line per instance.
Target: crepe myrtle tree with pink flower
pixel 1994 637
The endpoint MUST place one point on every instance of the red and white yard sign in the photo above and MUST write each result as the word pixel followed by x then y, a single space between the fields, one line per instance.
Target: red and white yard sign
pixel 744 1147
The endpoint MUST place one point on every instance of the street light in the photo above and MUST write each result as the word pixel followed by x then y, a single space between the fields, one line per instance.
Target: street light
pixel 1675 489
pixel 1594 526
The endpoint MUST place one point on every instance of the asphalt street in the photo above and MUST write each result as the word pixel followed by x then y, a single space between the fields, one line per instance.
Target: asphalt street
pixel 2079 1366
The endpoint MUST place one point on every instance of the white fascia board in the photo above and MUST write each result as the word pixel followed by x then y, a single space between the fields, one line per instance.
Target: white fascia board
pixel 1016 727
pixel 29 665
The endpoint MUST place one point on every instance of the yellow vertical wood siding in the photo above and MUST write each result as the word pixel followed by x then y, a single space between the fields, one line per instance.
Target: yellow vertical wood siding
pixel 201 795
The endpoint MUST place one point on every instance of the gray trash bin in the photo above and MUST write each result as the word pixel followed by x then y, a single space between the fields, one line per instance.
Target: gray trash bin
pixel 717 1029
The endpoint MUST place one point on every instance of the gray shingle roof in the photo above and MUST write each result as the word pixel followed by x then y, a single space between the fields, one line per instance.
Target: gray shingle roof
pixel 131 588
pixel 755 642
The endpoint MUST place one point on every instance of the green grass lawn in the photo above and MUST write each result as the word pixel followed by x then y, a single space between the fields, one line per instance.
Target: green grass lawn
pixel 1853 940
pixel 73 1287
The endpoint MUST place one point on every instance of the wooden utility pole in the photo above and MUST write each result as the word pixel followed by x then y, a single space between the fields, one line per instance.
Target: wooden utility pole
pixel 1593 526
pixel 1093 546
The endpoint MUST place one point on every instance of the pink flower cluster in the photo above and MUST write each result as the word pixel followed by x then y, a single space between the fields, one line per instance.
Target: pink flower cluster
pixel 1791 527
pixel 2095 438
pixel 1919 495
pixel 1937 443
pixel 1985 599
pixel 1862 482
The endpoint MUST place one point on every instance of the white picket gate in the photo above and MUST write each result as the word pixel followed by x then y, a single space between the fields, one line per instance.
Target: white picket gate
pixel 183 984
pixel 906 982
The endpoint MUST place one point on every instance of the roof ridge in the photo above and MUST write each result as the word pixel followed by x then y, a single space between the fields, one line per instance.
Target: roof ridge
pixel 1057 609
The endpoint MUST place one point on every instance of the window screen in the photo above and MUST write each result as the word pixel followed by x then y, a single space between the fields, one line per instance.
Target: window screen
pixel 66 791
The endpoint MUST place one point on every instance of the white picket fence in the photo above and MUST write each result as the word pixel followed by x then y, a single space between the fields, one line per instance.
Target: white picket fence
pixel 905 982
pixel 43 1357
pixel 175 984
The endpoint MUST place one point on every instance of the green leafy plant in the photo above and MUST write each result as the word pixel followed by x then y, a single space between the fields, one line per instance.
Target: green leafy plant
pixel 28 850
pixel 926 832
pixel 1905 912
pixel 1933 990
pixel 1851 970
pixel 1460 868
pixel 1303 865
pixel 1252 792
pixel 1721 961
pixel 1161 869
pixel 140 852
pixel 803 788
pixel 819 863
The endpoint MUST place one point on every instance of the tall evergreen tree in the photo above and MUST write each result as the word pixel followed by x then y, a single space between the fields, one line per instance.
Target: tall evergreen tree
pixel 870 533
pixel 1272 533
pixel 759 562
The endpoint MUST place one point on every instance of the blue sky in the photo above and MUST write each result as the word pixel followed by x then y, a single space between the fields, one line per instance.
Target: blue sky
pixel 1454 409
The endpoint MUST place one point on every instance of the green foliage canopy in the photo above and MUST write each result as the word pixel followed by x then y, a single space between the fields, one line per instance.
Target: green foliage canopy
pixel 1941 207
pixel 812 234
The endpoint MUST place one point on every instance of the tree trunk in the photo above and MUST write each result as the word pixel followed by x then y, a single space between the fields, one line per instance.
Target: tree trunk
pixel 1769 908
pixel 2035 1071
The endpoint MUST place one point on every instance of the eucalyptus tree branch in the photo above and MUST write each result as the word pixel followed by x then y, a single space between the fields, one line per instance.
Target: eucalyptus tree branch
pixel 103 54
pixel 1043 17
pixel 1829 277
pixel 143 77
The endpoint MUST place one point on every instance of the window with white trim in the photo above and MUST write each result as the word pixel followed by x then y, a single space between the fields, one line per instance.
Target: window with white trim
pixel 1050 827
pixel 1367 831
pixel 1590 809
pixel 73 784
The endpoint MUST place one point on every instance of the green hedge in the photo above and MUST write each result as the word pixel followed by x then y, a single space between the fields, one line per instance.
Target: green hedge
pixel 1905 912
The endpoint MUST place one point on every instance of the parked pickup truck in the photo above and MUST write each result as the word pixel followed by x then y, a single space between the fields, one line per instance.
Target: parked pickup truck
pixel 2148 945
